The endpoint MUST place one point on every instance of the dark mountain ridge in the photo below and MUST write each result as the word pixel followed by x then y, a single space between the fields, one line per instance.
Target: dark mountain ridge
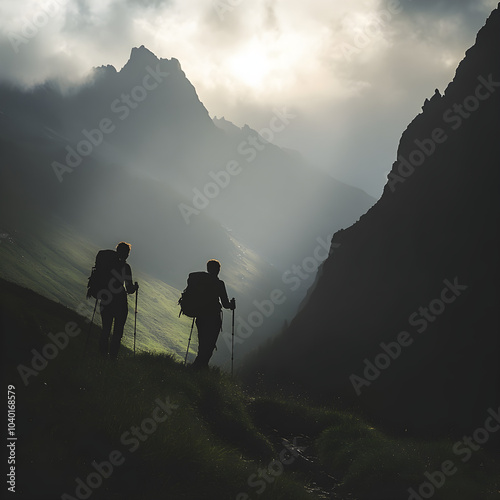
pixel 403 320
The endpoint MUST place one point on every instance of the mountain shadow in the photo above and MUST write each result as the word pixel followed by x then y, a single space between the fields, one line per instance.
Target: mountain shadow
pixel 403 320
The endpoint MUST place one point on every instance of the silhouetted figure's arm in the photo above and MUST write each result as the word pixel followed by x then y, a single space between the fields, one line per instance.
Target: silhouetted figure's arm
pixel 129 284
pixel 224 298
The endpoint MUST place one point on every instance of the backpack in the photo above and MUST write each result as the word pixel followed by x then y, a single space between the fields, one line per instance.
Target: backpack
pixel 193 300
pixel 100 276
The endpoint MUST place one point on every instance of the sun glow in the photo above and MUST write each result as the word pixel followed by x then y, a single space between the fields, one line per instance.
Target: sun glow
pixel 251 66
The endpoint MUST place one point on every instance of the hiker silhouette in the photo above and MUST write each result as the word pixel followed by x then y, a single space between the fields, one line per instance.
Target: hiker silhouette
pixel 209 317
pixel 114 304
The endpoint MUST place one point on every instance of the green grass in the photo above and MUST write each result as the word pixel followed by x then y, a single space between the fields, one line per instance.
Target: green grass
pixel 213 444
pixel 77 409
pixel 55 262
pixel 369 460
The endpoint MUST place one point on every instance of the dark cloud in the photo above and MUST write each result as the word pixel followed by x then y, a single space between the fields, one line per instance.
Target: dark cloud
pixel 79 16
pixel 445 7
pixel 441 19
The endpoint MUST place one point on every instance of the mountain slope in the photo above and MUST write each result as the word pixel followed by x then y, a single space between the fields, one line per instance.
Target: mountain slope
pixel 133 155
pixel 55 261
pixel 166 135
pixel 147 427
pixel 422 261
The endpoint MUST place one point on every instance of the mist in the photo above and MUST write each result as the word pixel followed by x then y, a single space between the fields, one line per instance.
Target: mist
pixel 334 65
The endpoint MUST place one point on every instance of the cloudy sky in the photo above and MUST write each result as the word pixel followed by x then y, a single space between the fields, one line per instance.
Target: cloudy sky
pixel 353 74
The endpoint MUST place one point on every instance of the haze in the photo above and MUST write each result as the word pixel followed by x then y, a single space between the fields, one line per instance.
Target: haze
pixel 353 73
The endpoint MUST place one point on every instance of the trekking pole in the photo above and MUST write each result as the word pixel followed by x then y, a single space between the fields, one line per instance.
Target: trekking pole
pixel 90 326
pixel 135 318
pixel 189 342
pixel 232 342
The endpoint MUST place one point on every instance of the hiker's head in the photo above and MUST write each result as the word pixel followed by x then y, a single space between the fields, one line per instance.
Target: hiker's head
pixel 123 250
pixel 213 266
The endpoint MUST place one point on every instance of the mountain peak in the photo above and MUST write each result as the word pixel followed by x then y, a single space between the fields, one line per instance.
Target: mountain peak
pixel 140 57
pixel 141 53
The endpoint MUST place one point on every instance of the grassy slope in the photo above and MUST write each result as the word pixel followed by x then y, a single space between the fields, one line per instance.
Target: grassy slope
pixel 55 262
pixel 77 409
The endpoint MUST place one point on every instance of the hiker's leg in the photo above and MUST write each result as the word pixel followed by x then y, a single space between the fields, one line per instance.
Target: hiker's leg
pixel 208 332
pixel 107 321
pixel 121 313
pixel 201 360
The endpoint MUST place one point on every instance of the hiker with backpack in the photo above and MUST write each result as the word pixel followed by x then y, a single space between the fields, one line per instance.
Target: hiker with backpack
pixel 203 299
pixel 110 282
